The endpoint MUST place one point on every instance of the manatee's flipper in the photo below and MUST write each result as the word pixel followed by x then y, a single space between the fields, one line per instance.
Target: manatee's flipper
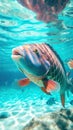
pixel 62 95
pixel 44 90
pixel 23 82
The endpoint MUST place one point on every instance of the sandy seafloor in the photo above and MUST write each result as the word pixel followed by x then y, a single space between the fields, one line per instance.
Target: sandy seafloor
pixel 18 106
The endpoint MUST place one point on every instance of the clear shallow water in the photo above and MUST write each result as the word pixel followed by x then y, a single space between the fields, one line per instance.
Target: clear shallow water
pixel 17 27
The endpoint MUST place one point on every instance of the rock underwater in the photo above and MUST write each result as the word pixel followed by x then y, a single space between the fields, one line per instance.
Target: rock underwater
pixel 62 120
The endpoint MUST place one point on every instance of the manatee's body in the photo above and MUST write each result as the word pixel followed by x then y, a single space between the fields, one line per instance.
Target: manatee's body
pixel 41 64
pixel 46 10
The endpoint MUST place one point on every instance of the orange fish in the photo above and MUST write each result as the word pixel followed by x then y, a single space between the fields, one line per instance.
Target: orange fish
pixel 70 64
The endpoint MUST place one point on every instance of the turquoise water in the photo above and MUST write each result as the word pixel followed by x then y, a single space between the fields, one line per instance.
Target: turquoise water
pixel 18 26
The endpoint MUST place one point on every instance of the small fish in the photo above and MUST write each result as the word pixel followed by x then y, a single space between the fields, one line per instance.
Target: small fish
pixel 51 101
pixel 42 65
pixel 71 102
pixel 70 64
pixel 46 10
pixel 4 115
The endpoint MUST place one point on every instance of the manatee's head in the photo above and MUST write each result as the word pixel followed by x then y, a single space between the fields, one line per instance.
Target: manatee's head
pixel 30 61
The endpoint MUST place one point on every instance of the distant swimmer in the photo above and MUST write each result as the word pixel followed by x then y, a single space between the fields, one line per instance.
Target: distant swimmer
pixel 70 64
pixel 46 10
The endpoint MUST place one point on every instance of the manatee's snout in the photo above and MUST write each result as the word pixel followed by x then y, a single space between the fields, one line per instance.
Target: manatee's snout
pixel 17 53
